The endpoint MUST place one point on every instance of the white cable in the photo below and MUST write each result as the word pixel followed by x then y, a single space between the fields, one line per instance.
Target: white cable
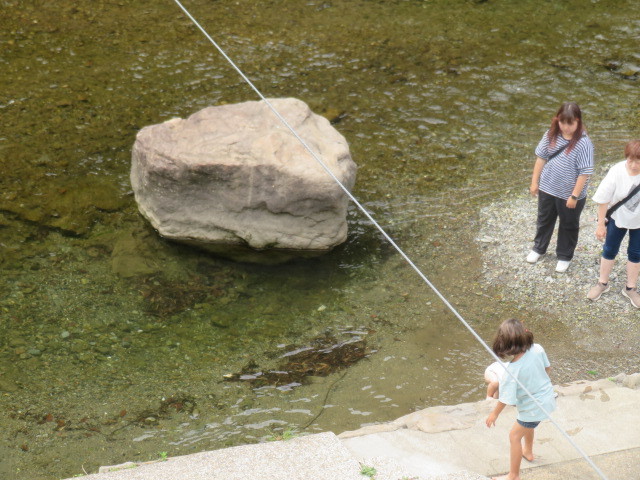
pixel 388 238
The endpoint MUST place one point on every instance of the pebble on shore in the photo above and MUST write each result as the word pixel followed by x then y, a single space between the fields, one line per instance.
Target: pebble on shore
pixel 506 237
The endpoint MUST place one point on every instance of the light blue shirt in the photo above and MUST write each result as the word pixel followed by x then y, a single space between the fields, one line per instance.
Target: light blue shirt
pixel 530 370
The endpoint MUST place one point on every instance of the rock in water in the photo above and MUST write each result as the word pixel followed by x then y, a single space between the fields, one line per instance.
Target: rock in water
pixel 234 180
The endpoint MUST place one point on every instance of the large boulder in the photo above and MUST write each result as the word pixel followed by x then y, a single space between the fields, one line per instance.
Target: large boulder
pixel 234 180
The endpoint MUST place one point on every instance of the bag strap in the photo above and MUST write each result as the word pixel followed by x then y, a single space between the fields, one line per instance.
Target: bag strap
pixel 558 152
pixel 612 209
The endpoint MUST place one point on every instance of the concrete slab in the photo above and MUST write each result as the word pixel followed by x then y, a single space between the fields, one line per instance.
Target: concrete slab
pixel 624 464
pixel 318 457
pixel 599 416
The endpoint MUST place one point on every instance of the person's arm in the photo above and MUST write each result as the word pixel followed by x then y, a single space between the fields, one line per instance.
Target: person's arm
pixel 535 176
pixel 491 419
pixel 577 189
pixel 601 229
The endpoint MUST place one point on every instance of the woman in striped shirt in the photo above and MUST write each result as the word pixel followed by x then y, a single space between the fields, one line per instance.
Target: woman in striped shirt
pixel 560 177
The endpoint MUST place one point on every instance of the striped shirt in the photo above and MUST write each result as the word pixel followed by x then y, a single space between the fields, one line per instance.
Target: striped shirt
pixel 560 174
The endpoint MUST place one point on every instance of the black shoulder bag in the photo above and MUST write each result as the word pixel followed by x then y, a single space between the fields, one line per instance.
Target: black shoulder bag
pixel 612 209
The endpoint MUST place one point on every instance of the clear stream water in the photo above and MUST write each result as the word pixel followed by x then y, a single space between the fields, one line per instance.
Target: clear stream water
pixel 116 345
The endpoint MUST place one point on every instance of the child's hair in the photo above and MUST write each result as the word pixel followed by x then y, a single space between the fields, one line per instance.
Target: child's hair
pixel 512 338
pixel 632 150
pixel 568 112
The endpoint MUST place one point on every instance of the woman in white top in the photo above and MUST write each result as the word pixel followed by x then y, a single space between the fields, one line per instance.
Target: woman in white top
pixel 619 182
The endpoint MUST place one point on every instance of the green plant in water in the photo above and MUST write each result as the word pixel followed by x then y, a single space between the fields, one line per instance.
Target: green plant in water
pixel 163 456
pixel 593 372
pixel 288 434
pixel 367 471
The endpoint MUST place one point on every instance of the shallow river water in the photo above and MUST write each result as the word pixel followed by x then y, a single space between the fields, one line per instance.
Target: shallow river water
pixel 116 345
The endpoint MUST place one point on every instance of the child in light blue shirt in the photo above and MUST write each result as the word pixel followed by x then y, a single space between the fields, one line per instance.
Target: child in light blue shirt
pixel 530 365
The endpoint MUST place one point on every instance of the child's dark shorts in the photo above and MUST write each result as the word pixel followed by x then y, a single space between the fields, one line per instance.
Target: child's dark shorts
pixel 528 424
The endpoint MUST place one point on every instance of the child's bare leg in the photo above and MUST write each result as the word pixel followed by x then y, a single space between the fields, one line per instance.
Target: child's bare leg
pixel 515 456
pixel 527 451
pixel 515 453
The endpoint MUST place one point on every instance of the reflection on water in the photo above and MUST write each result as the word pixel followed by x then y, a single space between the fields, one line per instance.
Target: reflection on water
pixel 116 345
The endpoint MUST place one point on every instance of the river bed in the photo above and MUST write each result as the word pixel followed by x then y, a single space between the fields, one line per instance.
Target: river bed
pixel 116 345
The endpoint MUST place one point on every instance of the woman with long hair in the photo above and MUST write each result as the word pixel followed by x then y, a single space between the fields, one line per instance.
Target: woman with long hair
pixel 564 163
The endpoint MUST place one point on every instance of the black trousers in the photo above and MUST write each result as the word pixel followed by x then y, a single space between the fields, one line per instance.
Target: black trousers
pixel 551 208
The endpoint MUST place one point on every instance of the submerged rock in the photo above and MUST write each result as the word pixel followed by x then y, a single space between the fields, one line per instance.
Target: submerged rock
pixel 322 358
pixel 69 205
pixel 8 385
pixel 624 69
pixel 234 180
pixel 131 257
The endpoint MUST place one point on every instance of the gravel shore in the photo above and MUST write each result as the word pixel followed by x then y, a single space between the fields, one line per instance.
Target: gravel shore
pixel 505 238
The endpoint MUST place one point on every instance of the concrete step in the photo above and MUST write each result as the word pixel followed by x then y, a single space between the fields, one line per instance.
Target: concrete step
pixel 390 469
pixel 313 457
pixel 599 416
pixel 615 466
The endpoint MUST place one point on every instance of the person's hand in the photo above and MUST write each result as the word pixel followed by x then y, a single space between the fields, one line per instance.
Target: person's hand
pixel 533 189
pixel 601 232
pixel 491 420
pixel 571 203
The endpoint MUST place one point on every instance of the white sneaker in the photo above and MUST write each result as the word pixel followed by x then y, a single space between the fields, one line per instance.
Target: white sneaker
pixel 562 265
pixel 533 257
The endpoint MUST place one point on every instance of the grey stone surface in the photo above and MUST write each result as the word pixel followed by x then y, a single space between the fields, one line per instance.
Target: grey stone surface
pixel 232 176
pixel 596 415
pixel 317 457
pixel 624 464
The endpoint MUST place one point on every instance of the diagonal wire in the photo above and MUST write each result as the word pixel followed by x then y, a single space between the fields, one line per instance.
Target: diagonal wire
pixel 388 238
